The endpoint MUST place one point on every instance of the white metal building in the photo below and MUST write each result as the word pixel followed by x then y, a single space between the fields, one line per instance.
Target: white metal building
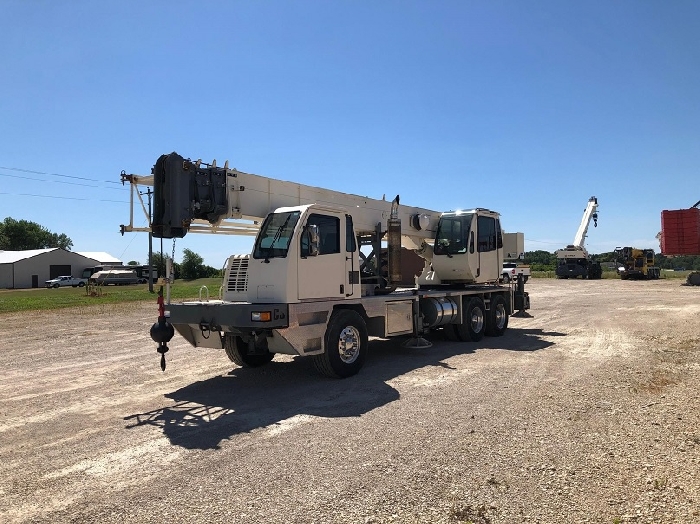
pixel 27 269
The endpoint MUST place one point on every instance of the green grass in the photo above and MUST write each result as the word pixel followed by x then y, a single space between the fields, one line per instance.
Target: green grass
pixel 551 274
pixel 613 274
pixel 13 300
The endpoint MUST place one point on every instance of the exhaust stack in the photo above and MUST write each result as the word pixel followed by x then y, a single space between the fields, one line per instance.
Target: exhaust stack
pixel 394 243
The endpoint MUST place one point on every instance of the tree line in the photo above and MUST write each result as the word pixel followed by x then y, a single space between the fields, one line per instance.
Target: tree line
pixel 191 267
pixel 23 235
pixel 545 261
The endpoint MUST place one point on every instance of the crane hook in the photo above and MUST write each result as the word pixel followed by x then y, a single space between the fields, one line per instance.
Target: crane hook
pixel 162 331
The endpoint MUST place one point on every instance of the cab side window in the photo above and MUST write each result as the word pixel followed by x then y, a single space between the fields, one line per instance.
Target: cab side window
pixel 328 233
pixel 487 238
pixel 350 242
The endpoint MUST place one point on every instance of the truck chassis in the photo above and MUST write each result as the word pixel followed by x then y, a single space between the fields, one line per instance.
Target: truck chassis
pixel 335 332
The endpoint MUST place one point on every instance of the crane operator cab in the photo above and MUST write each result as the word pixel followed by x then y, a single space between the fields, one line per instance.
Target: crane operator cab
pixel 468 249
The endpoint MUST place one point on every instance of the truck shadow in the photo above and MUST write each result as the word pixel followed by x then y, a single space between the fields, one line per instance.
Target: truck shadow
pixel 206 412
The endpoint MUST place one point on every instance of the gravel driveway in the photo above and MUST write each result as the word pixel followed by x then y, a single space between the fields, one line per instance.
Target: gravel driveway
pixel 586 412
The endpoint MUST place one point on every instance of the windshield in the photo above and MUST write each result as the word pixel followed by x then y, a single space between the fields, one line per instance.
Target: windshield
pixel 453 234
pixel 275 235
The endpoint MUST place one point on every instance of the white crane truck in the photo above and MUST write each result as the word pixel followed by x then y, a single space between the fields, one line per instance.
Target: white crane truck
pixel 308 288
pixel 574 261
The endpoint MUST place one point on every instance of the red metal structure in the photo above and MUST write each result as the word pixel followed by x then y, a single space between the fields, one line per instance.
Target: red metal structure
pixel 680 235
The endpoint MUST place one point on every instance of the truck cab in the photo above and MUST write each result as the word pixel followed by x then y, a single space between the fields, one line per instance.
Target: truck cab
pixel 304 253
pixel 468 249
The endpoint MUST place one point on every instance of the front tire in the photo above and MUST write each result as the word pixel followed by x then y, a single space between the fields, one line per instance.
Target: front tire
pixel 56 286
pixel 472 327
pixel 236 351
pixel 496 317
pixel 506 278
pixel 345 345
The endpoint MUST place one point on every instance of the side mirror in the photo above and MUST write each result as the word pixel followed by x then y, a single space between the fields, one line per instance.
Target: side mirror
pixel 309 241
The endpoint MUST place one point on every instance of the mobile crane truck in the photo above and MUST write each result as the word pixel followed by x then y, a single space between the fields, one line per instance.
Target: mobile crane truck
pixel 574 260
pixel 307 288
pixel 636 264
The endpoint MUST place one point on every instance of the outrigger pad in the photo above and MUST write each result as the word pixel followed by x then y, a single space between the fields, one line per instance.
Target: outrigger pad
pixel 417 343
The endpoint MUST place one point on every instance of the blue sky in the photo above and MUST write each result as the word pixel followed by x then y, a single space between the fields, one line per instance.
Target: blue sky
pixel 524 107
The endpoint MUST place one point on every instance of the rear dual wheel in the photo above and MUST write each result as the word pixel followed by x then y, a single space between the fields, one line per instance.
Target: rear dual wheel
pixel 479 322
pixel 473 322
pixel 496 317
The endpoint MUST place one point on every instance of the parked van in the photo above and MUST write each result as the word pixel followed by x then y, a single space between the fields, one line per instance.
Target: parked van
pixel 117 277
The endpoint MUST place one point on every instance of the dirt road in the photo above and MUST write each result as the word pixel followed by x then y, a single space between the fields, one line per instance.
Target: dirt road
pixel 587 412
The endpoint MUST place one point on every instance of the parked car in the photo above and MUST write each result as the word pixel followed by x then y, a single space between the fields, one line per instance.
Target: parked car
pixel 65 281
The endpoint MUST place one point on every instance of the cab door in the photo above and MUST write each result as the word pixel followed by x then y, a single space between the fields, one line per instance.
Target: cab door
pixel 323 275
pixel 352 260
pixel 489 240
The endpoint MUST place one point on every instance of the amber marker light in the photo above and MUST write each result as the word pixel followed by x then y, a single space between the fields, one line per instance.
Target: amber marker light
pixel 260 316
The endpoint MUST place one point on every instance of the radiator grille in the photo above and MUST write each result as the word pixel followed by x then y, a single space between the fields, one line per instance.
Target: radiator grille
pixel 238 274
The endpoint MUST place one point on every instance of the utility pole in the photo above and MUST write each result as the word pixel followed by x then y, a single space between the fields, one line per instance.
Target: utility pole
pixel 150 244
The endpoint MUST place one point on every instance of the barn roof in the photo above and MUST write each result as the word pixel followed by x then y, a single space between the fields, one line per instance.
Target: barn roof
pixel 10 257
pixel 101 256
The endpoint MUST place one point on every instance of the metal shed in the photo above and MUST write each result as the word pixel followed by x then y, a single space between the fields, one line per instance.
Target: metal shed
pixel 31 268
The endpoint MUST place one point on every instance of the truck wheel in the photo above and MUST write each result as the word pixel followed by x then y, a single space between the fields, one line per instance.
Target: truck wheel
pixel 693 279
pixel 345 344
pixel 496 317
pixel 236 352
pixel 472 330
pixel 55 286
pixel 525 277
pixel 81 284
pixel 506 278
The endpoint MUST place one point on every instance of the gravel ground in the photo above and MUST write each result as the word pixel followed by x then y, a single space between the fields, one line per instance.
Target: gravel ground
pixel 586 412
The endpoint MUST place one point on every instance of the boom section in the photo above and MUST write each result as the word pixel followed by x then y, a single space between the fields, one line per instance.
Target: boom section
pixel 198 197
pixel 590 213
